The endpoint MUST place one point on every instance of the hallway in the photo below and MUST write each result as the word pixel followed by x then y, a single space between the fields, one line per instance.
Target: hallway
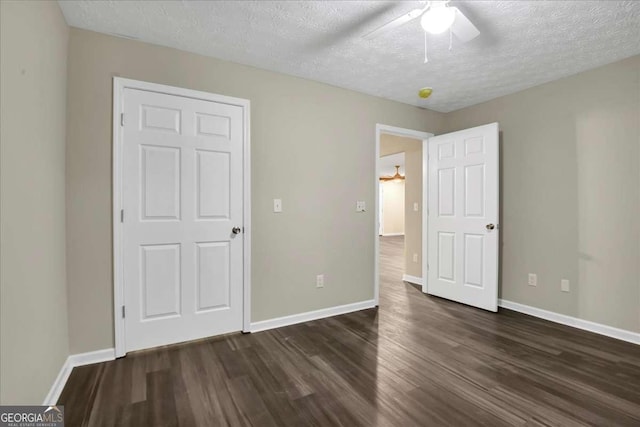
pixel 393 291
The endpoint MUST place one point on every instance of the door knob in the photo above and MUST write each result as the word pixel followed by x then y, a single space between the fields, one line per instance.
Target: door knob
pixel 236 230
pixel 490 226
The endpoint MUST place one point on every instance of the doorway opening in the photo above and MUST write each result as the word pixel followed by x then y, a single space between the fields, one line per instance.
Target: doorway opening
pixel 399 206
pixel 458 217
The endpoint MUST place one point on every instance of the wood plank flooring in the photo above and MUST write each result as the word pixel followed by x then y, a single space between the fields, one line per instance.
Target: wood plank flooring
pixel 415 361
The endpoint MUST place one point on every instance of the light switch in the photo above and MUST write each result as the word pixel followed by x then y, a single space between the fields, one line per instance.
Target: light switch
pixel 564 285
pixel 416 207
pixel 277 205
pixel 361 206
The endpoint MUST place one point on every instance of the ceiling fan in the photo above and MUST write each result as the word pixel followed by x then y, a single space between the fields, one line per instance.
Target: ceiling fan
pixel 435 18
pixel 397 177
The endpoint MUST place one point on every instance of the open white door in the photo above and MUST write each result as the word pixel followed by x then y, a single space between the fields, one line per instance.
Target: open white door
pixel 463 216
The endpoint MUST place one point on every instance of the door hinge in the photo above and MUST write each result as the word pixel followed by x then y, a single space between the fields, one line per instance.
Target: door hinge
pixel 121 119
pixel 123 312
pixel 121 215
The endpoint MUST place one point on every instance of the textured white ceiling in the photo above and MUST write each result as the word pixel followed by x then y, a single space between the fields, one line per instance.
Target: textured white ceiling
pixel 522 43
pixel 388 164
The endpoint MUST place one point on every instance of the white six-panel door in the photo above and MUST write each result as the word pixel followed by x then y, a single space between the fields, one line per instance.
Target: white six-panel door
pixel 463 216
pixel 182 197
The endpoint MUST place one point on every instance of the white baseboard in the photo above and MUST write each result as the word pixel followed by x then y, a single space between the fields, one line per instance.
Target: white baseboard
pixel 598 328
pixel 58 384
pixel 93 357
pixel 412 279
pixel 392 234
pixel 71 362
pixel 279 322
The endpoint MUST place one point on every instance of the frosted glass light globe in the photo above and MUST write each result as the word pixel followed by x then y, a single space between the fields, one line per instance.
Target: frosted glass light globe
pixel 437 20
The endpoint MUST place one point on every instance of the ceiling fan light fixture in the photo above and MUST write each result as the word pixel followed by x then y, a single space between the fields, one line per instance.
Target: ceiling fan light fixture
pixel 395 178
pixel 438 19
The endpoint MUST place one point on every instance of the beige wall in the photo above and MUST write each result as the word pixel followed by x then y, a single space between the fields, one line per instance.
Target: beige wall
pixel 412 149
pixel 571 192
pixel 33 310
pixel 393 207
pixel 297 127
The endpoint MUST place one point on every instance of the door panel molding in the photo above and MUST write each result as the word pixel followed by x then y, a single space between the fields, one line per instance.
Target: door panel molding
pixel 463 243
pixel 210 125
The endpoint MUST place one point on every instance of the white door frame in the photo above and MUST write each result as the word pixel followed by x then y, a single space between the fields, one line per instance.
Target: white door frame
pixel 119 85
pixel 380 209
pixel 410 133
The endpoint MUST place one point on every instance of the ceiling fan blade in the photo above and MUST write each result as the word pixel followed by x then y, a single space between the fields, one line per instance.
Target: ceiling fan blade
pixel 463 28
pixel 415 13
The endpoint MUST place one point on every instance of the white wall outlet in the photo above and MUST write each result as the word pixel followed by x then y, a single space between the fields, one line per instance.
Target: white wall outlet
pixel 415 257
pixel 416 207
pixel 361 206
pixel 277 205
pixel 320 281
pixel 533 279
pixel 564 285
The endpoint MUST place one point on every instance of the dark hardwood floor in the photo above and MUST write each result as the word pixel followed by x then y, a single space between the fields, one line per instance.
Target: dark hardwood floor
pixel 416 360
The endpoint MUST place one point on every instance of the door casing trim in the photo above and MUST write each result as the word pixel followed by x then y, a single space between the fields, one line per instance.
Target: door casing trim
pixel 119 85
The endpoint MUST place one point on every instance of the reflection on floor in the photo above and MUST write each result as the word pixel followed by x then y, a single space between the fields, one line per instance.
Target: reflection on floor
pixel 416 360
